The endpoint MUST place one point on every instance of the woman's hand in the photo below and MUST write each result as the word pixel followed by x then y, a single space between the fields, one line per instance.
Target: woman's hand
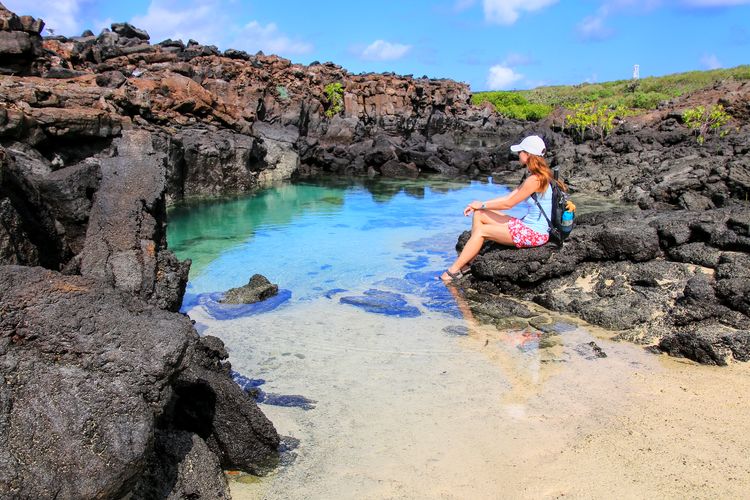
pixel 471 207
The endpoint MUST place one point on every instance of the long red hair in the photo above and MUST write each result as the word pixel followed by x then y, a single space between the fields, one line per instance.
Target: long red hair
pixel 538 166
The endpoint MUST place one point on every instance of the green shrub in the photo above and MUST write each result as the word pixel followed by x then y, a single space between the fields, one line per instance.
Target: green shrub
pixel 642 94
pixel 335 96
pixel 282 92
pixel 703 121
pixel 599 120
pixel 513 105
pixel 647 100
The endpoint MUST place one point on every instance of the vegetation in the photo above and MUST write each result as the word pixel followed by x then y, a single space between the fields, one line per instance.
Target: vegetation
pixel 282 92
pixel 638 95
pixel 599 120
pixel 335 96
pixel 513 105
pixel 706 120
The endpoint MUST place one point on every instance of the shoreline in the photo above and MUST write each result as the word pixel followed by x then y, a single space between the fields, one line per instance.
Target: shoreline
pixel 526 423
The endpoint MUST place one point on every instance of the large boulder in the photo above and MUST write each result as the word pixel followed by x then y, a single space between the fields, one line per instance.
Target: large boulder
pixel 94 381
pixel 677 278
pixel 125 242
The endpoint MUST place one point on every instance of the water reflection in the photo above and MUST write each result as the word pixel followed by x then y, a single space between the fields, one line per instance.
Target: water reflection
pixel 526 356
pixel 326 233
pixel 203 229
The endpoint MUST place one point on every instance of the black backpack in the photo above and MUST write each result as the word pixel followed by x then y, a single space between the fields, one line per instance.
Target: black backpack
pixel 559 226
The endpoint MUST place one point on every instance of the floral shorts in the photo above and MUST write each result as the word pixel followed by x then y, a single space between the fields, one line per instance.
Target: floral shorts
pixel 524 237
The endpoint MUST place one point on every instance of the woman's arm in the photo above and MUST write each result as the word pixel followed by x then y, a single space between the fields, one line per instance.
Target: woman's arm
pixel 529 186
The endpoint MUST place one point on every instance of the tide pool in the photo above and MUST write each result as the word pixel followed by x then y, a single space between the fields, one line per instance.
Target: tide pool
pixel 383 384
pixel 315 240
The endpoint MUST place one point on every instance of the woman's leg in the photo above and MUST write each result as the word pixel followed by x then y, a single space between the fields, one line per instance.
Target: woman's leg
pixel 486 225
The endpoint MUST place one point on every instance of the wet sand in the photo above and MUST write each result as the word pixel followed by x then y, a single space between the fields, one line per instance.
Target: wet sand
pixel 405 410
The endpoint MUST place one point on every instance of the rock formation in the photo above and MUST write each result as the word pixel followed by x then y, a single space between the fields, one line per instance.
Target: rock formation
pixel 678 279
pixel 107 392
pixel 258 288
pixel 94 379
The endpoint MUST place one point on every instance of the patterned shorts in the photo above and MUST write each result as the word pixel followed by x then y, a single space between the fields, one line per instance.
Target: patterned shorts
pixel 523 237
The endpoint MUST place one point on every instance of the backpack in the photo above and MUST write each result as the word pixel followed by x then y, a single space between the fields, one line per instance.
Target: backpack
pixel 563 212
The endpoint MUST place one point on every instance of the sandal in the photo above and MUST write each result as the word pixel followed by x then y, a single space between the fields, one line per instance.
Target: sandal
pixel 452 276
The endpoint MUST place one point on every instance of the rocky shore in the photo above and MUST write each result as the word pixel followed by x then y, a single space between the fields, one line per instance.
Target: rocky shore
pixel 109 392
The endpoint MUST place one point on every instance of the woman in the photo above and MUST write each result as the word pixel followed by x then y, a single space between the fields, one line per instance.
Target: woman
pixel 489 223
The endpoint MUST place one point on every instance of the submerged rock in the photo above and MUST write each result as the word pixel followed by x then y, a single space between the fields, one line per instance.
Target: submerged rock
pixel 256 290
pixel 382 302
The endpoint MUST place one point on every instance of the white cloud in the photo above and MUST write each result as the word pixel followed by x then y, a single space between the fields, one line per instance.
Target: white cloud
pixel 594 27
pixel 200 21
pixel 380 50
pixel 208 23
pixel 502 77
pixel 710 61
pixel 507 12
pixel 60 16
pixel 255 37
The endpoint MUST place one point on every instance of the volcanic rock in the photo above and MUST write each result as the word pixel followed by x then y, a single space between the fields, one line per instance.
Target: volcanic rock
pixel 256 290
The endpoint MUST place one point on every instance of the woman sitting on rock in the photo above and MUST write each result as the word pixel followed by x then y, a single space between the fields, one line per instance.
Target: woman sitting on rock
pixel 489 223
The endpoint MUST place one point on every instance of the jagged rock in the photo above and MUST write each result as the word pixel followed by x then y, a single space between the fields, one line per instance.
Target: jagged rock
pixel 699 345
pixel 70 191
pixel 20 43
pixel 77 122
pixel 395 168
pixel 204 162
pixel 237 54
pixel 62 73
pixel 612 273
pixel 182 466
pixel 256 290
pixel 56 348
pixel 125 234
pixel 110 79
pixel 233 426
pixel 28 230
pixel 129 31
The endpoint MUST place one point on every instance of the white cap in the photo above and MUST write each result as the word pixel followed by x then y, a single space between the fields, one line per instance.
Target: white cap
pixel 532 144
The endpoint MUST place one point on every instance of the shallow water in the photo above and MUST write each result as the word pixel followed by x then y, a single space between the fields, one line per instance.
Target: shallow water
pixel 409 396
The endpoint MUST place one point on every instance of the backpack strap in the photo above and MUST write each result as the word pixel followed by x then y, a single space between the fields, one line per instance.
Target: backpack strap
pixel 553 231
pixel 536 200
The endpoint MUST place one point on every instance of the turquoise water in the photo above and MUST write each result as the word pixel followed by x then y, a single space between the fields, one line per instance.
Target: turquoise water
pixel 317 239
pixel 383 385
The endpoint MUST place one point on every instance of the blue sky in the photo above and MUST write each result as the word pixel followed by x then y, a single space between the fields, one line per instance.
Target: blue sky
pixel 489 44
